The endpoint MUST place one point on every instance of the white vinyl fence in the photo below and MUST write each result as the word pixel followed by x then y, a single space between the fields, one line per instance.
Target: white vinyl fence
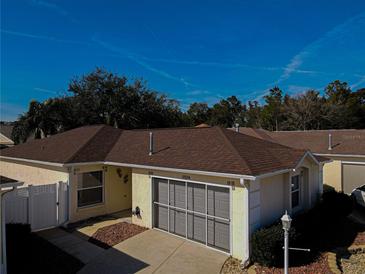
pixel 41 206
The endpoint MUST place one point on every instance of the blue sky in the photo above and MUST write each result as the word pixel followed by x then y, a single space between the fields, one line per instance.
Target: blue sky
pixel 190 50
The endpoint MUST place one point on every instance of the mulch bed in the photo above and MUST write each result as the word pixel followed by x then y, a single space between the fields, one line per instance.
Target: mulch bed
pixel 109 236
pixel 318 266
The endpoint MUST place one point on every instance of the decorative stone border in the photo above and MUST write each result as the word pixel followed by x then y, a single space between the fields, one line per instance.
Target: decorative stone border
pixel 332 261
pixel 251 270
pixel 333 258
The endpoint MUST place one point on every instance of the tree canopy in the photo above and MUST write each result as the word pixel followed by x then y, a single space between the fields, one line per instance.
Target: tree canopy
pixel 103 97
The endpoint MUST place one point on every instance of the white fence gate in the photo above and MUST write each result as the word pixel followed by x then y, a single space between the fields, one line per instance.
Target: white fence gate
pixel 41 206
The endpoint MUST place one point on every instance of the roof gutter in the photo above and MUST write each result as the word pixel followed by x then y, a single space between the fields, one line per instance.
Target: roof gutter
pixel 32 161
pixel 191 171
pixel 11 184
pixel 278 172
pixel 339 155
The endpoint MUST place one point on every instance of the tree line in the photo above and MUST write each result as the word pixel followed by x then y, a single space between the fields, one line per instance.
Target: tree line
pixel 103 97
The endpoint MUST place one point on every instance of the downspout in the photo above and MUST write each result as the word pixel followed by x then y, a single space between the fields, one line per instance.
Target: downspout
pixel 246 201
pixel 70 176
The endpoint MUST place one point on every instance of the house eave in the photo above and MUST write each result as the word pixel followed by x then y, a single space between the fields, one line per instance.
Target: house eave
pixel 190 171
pixel 32 161
pixel 340 155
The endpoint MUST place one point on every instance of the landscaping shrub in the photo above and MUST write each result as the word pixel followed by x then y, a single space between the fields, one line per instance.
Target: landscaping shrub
pixel 267 245
pixel 322 228
pixel 336 205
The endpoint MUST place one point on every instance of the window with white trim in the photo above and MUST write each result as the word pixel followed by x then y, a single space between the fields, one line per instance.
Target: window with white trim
pixel 295 191
pixel 90 188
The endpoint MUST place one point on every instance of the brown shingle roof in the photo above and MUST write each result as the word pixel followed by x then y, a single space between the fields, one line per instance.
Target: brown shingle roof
pixel 211 149
pixel 6 130
pixel 344 141
pixel 59 148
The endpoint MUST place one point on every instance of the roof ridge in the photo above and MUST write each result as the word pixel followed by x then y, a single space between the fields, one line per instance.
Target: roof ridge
pixel 232 147
pixel 116 142
pixel 320 130
pixel 87 143
pixel 168 128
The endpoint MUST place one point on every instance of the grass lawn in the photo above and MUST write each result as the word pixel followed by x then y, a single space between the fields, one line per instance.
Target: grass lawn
pixel 29 253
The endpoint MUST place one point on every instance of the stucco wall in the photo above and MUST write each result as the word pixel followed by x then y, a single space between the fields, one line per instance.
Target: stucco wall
pixel 272 199
pixel 332 172
pixel 35 174
pixel 275 192
pixel 117 193
pixel 142 197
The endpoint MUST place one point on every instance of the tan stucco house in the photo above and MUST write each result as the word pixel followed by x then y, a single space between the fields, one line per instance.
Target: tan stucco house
pixel 210 185
pixel 345 148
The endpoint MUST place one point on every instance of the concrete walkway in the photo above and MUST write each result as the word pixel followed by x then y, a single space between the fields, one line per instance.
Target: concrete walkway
pixel 72 244
pixel 88 227
pixel 156 252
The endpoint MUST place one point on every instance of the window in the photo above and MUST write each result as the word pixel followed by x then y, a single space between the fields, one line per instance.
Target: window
pixel 90 188
pixel 295 191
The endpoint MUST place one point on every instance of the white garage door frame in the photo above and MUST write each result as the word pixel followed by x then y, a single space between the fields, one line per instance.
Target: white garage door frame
pixel 342 171
pixel 189 211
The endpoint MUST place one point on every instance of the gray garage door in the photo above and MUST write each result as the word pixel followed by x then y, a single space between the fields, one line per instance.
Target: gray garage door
pixel 353 176
pixel 196 211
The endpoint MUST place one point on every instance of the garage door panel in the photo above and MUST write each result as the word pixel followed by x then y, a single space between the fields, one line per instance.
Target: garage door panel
pixel 177 194
pixel 177 222
pixel 160 217
pixel 160 190
pixel 218 201
pixel 196 197
pixel 218 234
pixel 353 176
pixel 196 227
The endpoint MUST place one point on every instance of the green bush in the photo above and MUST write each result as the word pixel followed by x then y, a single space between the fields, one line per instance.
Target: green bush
pixel 267 245
pixel 319 229
pixel 336 205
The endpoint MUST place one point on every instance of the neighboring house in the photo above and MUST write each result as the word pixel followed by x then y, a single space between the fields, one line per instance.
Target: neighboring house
pixel 345 147
pixel 5 136
pixel 6 185
pixel 210 185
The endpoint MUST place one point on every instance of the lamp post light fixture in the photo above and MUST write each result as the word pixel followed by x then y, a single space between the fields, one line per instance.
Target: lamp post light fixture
pixel 286 222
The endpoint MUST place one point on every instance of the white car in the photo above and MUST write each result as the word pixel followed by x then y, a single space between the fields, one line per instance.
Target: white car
pixel 358 195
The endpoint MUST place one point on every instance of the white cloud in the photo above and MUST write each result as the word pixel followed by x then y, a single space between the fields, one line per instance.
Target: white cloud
pixel 137 59
pixel 51 6
pixel 42 37
pixel 335 34
pixel 198 92
pixel 360 82
pixel 46 90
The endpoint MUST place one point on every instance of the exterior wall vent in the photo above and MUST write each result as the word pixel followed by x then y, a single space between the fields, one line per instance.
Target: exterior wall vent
pixel 330 141
pixel 151 144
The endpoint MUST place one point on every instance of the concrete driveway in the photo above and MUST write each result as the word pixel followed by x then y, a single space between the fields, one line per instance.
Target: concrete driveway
pixel 156 252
